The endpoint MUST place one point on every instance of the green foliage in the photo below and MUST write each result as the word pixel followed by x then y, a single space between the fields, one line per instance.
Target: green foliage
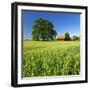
pixel 51 58
pixel 67 36
pixel 43 30
pixel 78 38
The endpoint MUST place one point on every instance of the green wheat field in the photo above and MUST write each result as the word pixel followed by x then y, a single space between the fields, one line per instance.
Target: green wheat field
pixel 51 58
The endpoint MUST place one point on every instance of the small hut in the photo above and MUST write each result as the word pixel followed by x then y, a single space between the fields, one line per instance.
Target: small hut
pixel 62 38
pixel 74 38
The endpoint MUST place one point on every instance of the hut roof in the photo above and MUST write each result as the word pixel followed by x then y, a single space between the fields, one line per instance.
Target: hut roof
pixel 60 37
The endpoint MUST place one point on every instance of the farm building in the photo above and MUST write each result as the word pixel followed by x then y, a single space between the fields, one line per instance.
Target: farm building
pixel 60 38
pixel 74 38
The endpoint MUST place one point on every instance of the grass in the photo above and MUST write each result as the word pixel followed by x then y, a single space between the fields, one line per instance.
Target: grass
pixel 51 58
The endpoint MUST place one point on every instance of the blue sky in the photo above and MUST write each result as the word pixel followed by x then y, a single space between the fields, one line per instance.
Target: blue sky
pixel 63 22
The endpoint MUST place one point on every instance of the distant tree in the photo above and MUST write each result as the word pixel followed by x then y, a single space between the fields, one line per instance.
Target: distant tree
pixel 74 38
pixel 67 36
pixel 78 38
pixel 43 30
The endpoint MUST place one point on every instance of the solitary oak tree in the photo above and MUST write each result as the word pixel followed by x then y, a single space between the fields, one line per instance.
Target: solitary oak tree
pixel 43 30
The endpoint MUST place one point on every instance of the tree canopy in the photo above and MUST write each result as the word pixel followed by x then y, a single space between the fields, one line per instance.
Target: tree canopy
pixel 67 36
pixel 43 30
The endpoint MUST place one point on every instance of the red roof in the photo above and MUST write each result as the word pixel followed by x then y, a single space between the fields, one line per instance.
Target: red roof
pixel 60 37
